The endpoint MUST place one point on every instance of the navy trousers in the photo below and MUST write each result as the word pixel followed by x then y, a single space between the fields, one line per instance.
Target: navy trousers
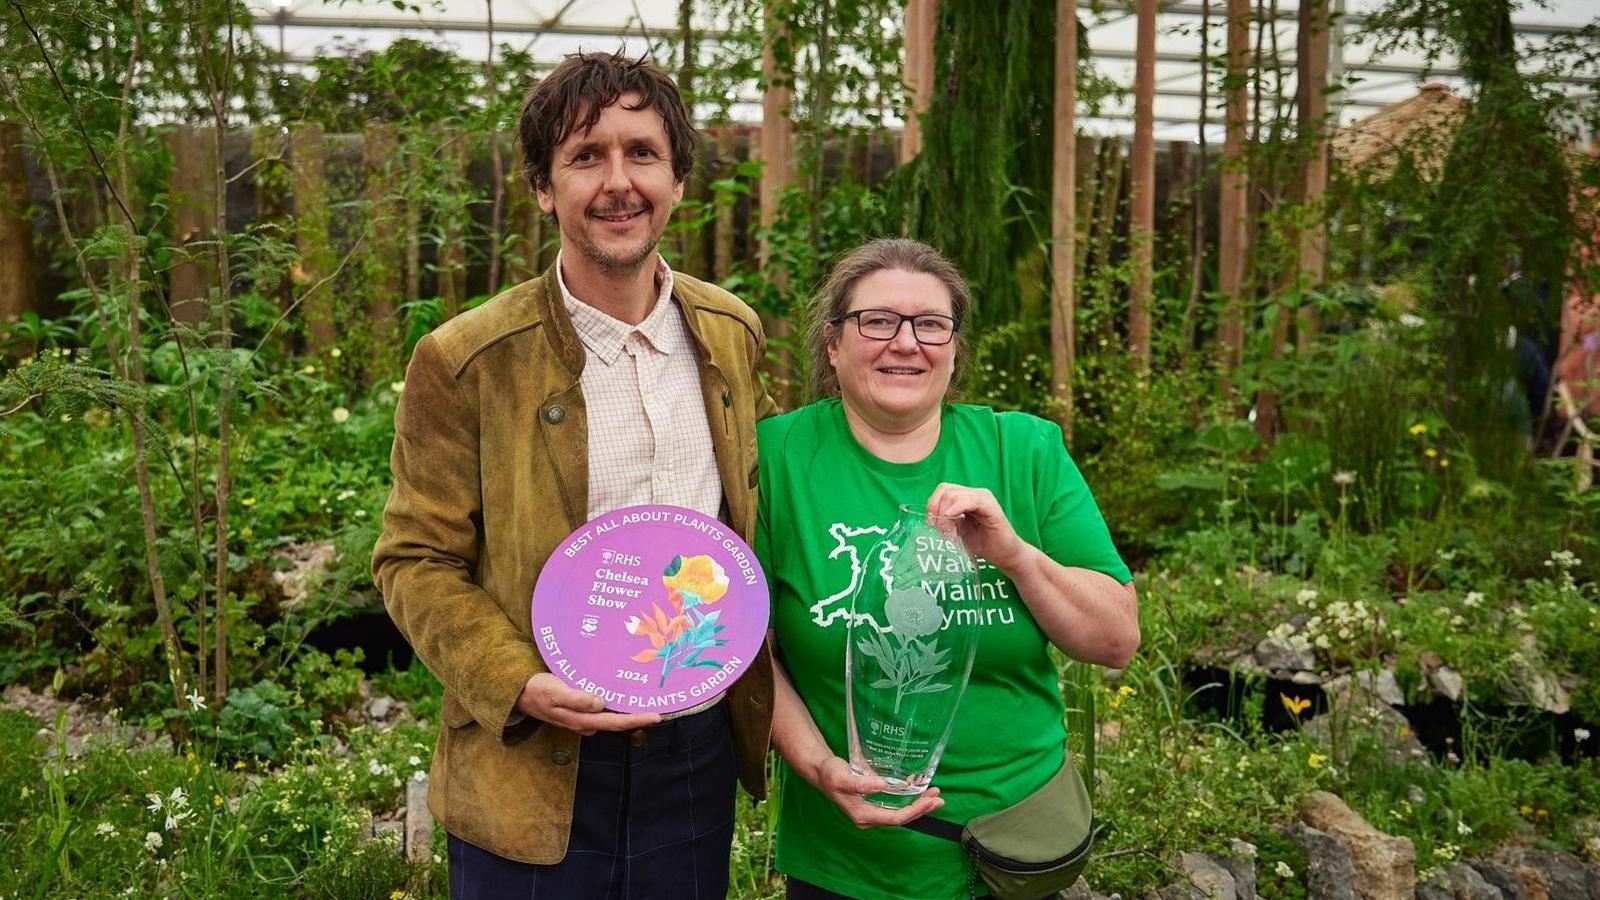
pixel 653 818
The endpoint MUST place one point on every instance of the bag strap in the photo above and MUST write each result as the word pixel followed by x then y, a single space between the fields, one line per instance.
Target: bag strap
pixel 935 827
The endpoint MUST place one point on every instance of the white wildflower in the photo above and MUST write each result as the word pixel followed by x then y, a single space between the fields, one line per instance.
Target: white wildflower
pixel 1463 829
pixel 1580 734
pixel 1344 478
pixel 1474 599
pixel 153 841
pixel 105 829
pixel 340 414
pixel 196 700
pixel 1283 869
pixel 1306 595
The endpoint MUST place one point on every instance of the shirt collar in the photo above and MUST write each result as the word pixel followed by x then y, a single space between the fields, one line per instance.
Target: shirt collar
pixel 606 335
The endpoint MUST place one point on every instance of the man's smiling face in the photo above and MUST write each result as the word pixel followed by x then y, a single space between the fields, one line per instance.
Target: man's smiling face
pixel 612 188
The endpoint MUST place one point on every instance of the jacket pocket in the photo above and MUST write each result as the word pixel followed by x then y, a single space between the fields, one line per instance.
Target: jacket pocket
pixel 453 713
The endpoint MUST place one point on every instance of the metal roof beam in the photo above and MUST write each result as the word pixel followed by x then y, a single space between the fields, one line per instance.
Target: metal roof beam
pixel 405 23
pixel 1287 61
pixel 1196 10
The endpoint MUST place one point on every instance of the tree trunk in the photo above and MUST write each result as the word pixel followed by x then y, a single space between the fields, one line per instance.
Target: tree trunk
pixel 727 162
pixel 1063 216
pixel 776 175
pixel 191 275
pixel 16 232
pixel 311 233
pixel 921 21
pixel 384 248
pixel 1141 193
pixel 1313 113
pixel 1234 223
pixel 497 173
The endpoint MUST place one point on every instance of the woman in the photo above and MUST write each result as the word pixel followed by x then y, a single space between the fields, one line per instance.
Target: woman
pixel 885 349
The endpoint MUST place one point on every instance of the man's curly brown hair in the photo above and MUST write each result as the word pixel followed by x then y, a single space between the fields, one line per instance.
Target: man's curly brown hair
pixel 571 98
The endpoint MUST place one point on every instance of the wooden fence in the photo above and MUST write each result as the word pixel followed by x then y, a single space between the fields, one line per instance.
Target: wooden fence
pixel 312 184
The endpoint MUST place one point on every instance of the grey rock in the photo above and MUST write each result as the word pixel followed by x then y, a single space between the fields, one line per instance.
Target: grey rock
pixel 1351 703
pixel 378 708
pixel 1200 878
pixel 1565 876
pixel 1078 891
pixel 1240 861
pixel 1383 866
pixel 1381 684
pixel 1468 884
pixel 1434 890
pixel 1501 876
pixel 1276 653
pixel 419 824
pixel 1447 683
pixel 1330 873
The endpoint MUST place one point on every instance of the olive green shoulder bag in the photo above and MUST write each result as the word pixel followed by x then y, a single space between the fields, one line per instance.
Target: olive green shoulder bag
pixel 1033 848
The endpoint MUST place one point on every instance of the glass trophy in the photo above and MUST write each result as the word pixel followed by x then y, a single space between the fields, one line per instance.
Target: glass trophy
pixel 913 631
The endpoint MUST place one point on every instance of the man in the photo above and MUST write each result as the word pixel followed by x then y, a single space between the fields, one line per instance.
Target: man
pixel 607 381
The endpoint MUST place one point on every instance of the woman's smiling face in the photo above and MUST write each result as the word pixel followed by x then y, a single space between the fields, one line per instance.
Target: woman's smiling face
pixel 898 380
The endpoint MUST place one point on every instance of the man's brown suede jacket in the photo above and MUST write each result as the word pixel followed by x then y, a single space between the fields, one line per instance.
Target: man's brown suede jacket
pixel 490 469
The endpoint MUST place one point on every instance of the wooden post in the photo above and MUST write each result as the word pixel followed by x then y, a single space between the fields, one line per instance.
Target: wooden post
pixel 1313 110
pixel 727 162
pixel 309 155
pixel 692 241
pixel 1141 186
pixel 921 20
pixel 16 231
pixel 193 172
pixel 776 173
pixel 384 244
pixel 1063 216
pixel 1234 223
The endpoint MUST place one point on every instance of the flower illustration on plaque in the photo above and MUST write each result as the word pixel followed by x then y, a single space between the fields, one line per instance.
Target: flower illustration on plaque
pixel 681 634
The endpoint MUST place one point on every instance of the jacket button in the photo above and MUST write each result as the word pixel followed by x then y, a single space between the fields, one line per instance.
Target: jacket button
pixel 727 397
pixel 561 757
pixel 757 702
pixel 638 739
pixel 555 415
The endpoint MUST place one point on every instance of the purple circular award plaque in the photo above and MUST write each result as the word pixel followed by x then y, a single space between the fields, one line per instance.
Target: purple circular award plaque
pixel 653 608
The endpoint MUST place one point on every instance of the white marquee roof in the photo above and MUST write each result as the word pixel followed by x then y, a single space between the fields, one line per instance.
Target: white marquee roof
pixel 552 28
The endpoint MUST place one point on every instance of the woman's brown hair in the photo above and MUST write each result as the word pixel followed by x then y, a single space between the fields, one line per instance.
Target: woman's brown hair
pixel 833 300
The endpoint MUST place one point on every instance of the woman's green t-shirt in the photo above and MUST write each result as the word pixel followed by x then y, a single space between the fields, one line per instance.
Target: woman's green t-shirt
pixel 824 502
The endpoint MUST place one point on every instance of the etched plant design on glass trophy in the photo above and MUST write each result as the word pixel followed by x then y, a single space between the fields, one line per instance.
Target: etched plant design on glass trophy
pixel 913 630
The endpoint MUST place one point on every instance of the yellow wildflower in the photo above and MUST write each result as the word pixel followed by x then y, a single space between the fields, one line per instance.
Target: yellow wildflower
pixel 248 501
pixel 216 799
pixel 1316 760
pixel 1444 463
pixel 1419 428
pixel 1430 453
pixel 1295 705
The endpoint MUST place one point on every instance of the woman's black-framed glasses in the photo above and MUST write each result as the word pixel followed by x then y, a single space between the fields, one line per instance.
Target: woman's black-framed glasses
pixel 884 324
